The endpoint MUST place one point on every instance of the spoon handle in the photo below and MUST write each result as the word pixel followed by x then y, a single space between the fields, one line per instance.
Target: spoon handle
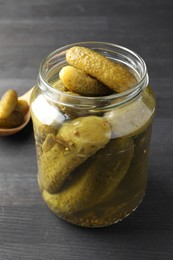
pixel 27 95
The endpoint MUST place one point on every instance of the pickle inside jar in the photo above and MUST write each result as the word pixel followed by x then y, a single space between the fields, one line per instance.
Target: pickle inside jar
pixel 94 180
pixel 74 143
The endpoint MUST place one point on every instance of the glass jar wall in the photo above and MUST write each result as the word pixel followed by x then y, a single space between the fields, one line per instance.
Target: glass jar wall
pixel 92 151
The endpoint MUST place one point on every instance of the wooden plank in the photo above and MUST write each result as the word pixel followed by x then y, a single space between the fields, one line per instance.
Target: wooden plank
pixel 29 30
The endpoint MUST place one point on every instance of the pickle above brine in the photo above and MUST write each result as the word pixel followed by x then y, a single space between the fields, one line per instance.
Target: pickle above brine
pixel 113 75
pixel 79 82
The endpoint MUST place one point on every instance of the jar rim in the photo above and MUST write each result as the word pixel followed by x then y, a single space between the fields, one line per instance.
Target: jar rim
pixel 128 94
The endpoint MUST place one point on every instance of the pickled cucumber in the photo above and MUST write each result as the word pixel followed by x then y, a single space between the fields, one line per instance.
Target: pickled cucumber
pixel 22 106
pixel 63 99
pixel 75 142
pixel 79 82
pixel 8 103
pixel 59 85
pixel 133 185
pixel 14 120
pixel 115 76
pixel 94 180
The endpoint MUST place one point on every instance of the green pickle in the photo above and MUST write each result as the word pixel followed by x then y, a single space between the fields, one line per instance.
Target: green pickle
pixel 14 120
pixel 12 110
pixel 92 166
pixel 74 143
pixel 8 103
pixel 79 82
pixel 113 75
pixel 94 181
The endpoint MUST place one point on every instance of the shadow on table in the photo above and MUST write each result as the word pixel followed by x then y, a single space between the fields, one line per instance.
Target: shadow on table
pixel 19 137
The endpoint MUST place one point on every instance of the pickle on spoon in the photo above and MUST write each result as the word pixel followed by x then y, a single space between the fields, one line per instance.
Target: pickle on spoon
pixel 22 107
pixel 75 142
pixel 13 120
pixel 113 75
pixel 8 103
pixel 94 180
pixel 79 82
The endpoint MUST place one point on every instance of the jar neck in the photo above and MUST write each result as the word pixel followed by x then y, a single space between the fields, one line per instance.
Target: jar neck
pixel 51 65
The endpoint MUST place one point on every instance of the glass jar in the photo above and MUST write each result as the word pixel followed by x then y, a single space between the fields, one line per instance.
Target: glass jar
pixel 92 151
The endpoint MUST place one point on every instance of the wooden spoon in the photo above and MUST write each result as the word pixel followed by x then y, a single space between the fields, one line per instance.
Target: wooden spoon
pixel 11 131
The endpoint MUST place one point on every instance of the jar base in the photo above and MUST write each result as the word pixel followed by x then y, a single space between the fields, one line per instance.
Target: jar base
pixel 111 217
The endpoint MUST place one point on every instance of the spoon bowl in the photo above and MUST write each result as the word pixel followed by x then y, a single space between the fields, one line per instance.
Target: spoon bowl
pixel 11 131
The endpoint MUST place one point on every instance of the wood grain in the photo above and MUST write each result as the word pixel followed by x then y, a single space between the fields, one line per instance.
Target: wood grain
pixel 29 30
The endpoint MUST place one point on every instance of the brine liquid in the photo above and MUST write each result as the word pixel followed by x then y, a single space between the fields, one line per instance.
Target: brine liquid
pixel 126 197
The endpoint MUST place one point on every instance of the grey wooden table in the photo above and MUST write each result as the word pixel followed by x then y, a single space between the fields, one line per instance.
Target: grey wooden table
pixel 29 30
